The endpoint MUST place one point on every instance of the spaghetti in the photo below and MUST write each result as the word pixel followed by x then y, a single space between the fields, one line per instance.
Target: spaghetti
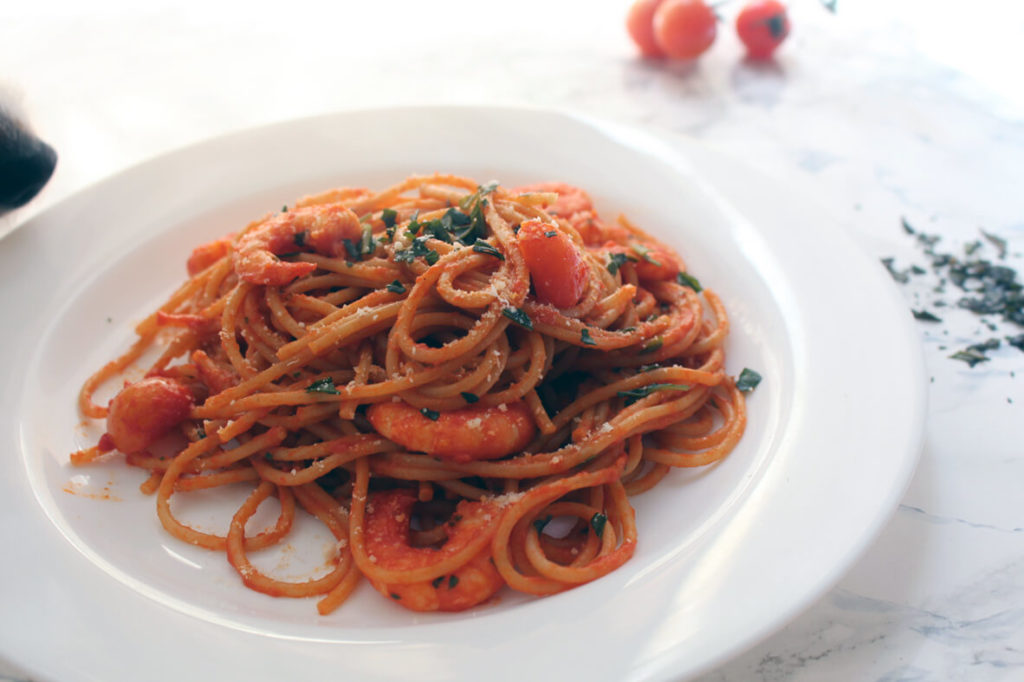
pixel 464 383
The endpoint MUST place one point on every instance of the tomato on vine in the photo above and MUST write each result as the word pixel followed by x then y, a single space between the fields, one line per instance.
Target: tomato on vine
pixel 762 26
pixel 684 29
pixel 640 24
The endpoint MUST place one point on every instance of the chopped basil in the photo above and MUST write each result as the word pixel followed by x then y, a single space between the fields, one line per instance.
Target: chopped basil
pixel 396 596
pixel 540 524
pixel 484 247
pixel 586 338
pixel 284 209
pixel 970 356
pixel 617 260
pixel 480 193
pixel 367 245
pixel 997 242
pixel 900 276
pixel 906 226
pixel 550 233
pixel 597 522
pixel 925 316
pixel 652 345
pixel 475 203
pixel 645 253
pixel 454 218
pixel 477 227
pixel 413 228
pixel 325 385
pixel 748 380
pixel 688 280
pixel 519 317
pixel 351 249
pixel 1016 341
pixel 441 228
pixel 436 582
pixel 469 397
pixel 432 415
pixel 453 580
pixel 388 217
pixel 300 238
pixel 396 287
pixel 418 248
pixel 635 394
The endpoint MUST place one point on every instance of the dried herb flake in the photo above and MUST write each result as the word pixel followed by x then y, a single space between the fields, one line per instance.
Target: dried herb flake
pixel 324 385
pixel 597 522
pixel 747 380
pixel 519 317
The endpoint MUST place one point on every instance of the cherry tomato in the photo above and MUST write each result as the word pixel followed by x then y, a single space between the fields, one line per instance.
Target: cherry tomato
pixel 557 269
pixel 640 24
pixel 684 29
pixel 762 26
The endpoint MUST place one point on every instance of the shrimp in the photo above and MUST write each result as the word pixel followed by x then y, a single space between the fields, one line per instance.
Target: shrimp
pixel 557 268
pixel 388 547
pixel 463 435
pixel 143 412
pixel 653 263
pixel 205 255
pixel 570 199
pixel 324 228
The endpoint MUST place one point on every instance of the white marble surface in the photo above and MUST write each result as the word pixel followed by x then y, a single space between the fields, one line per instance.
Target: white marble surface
pixel 883 110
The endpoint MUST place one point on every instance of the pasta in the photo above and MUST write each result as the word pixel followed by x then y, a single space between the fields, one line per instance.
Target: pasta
pixel 464 383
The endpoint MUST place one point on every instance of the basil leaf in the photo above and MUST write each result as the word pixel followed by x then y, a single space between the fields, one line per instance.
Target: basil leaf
pixel 748 380
pixel 645 253
pixel 540 524
pixel 396 287
pixel 418 248
pixel 971 357
pixel 688 280
pixel 586 338
pixel 597 522
pixel 440 229
pixel 388 217
pixel 519 317
pixel 351 249
pixel 484 247
pixel 469 397
pixel 652 345
pixel 617 260
pixel 480 193
pixel 325 385
pixel 432 415
pixel 634 394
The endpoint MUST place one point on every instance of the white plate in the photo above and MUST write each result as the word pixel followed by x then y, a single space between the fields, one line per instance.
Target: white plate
pixel 94 589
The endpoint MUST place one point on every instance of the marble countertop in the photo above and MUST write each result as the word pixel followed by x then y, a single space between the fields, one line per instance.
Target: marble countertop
pixel 879 112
